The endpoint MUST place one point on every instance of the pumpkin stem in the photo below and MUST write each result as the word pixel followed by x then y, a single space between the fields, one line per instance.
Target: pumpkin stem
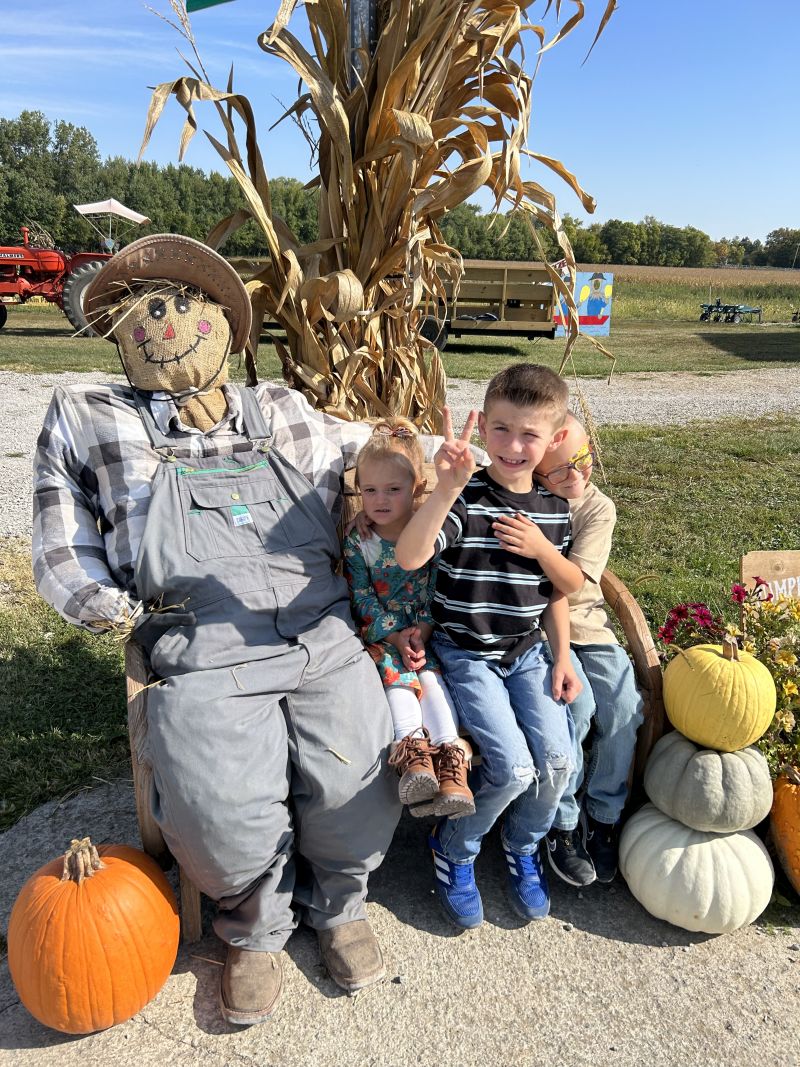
pixel 790 772
pixel 81 860
pixel 730 648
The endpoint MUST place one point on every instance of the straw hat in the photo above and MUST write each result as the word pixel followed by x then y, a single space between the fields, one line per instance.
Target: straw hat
pixel 169 257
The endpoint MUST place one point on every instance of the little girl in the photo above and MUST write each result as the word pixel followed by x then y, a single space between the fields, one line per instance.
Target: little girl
pixel 390 606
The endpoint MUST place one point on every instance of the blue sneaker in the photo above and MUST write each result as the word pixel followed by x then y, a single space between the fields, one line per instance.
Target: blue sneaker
pixel 455 887
pixel 527 884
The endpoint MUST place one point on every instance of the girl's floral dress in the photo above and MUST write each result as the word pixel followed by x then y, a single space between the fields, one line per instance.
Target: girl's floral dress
pixel 385 599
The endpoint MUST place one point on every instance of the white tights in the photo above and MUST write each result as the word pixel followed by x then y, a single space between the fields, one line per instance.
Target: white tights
pixel 433 710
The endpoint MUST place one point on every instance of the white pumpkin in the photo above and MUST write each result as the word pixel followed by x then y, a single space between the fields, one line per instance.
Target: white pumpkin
pixel 706 789
pixel 700 881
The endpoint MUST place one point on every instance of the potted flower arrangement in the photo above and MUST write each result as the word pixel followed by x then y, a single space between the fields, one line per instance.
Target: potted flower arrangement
pixel 767 628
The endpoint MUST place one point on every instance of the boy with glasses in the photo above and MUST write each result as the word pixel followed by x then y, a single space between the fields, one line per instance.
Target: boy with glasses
pixel 582 844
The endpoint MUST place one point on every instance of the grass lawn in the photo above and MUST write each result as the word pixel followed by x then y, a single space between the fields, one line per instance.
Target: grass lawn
pixel 39 339
pixel 691 500
pixel 704 348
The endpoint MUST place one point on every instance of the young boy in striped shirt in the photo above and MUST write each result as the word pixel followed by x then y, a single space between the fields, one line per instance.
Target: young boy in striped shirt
pixel 502 569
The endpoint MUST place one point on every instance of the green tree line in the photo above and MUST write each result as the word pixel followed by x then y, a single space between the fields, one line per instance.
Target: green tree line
pixel 648 243
pixel 46 167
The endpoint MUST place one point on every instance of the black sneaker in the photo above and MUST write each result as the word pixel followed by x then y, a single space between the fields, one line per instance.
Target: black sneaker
pixel 602 844
pixel 568 857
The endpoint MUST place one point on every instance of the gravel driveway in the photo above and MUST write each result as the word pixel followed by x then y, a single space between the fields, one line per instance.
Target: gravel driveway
pixel 644 398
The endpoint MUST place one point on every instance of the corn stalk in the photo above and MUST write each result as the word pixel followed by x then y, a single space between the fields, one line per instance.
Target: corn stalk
pixel 440 109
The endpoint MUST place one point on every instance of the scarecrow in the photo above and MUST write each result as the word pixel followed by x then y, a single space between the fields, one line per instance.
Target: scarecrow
pixel 199 517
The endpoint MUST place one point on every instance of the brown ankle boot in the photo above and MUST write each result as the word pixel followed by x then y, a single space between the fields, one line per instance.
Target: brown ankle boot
pixel 250 987
pixel 413 759
pixel 454 798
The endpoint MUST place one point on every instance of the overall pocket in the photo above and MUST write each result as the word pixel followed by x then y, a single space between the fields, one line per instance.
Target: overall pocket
pixel 232 516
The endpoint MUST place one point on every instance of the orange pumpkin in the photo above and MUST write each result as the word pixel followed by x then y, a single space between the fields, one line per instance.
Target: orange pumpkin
pixel 785 825
pixel 92 937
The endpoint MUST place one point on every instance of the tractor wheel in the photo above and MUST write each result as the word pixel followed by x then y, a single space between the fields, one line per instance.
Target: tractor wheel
pixel 435 331
pixel 74 290
pixel 736 317
pixel 3 315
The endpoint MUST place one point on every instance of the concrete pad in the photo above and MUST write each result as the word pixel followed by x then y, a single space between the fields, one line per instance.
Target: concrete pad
pixel 599 982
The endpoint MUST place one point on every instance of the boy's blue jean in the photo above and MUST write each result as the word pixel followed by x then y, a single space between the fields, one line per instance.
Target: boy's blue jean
pixel 610 696
pixel 525 740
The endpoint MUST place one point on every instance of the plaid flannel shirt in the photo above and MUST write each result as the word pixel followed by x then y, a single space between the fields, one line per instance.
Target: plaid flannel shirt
pixel 93 472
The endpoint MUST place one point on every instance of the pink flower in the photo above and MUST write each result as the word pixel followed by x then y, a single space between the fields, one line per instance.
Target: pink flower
pixel 667 632
pixel 762 588
pixel 679 612
pixel 738 593
pixel 703 617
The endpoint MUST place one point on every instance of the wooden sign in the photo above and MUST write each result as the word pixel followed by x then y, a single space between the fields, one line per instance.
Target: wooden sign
pixel 780 570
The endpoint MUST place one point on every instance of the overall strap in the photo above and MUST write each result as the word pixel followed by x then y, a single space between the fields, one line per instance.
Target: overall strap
pixel 164 446
pixel 256 426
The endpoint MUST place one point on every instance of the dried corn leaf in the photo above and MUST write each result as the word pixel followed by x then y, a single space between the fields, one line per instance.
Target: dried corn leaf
pixel 441 109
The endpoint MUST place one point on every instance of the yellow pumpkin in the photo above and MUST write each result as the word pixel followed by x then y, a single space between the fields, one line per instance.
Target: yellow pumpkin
pixel 785 825
pixel 718 696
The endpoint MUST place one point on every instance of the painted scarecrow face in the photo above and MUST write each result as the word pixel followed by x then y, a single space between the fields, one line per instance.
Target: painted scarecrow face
pixel 172 338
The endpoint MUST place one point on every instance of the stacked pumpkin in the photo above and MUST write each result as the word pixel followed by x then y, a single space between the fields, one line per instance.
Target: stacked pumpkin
pixel 690 855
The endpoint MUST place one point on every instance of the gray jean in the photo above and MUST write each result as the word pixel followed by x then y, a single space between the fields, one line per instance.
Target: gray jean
pixel 257 762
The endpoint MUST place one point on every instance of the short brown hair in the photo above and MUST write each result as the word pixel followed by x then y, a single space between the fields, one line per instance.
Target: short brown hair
pixel 385 446
pixel 530 385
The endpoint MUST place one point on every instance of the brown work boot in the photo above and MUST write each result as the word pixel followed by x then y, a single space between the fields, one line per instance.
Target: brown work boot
pixel 250 987
pixel 413 759
pixel 454 798
pixel 352 955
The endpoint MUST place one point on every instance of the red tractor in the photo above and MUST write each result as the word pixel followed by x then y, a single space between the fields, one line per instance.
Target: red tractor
pixel 38 268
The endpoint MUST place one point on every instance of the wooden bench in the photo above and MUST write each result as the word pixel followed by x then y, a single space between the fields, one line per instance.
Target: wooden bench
pixel 620 601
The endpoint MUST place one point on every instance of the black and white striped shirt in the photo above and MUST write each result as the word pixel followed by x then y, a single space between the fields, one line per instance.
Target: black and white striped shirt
pixel 488 600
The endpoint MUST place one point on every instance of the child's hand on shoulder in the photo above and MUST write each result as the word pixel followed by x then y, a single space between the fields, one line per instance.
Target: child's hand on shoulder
pixel 362 526
pixel 518 534
pixel 566 684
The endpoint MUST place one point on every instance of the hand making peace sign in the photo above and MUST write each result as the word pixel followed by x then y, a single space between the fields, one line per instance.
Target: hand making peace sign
pixel 454 461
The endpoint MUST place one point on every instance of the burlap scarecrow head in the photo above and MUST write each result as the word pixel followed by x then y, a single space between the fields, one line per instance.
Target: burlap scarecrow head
pixel 176 310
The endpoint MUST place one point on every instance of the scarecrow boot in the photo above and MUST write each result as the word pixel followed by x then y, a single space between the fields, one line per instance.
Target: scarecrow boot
pixel 452 762
pixel 413 760
pixel 251 985
pixel 352 955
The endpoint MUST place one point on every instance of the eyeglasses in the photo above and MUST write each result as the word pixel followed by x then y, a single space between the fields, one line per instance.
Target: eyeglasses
pixel 582 461
pixel 393 431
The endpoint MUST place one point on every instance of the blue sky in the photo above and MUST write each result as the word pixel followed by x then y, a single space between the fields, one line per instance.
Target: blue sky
pixel 685 110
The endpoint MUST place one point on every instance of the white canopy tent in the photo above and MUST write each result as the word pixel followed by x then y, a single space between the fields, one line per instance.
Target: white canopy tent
pixel 117 216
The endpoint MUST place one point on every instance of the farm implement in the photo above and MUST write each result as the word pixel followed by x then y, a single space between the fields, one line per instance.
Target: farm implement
pixel 719 312
pixel 37 268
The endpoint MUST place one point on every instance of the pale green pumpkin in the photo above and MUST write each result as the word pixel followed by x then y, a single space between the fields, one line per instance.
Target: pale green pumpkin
pixel 718 696
pixel 706 789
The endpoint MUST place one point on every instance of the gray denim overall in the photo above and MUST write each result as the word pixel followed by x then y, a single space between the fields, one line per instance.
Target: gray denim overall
pixel 269 731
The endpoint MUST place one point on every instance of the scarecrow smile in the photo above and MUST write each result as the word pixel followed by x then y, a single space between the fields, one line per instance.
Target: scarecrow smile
pixel 145 348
